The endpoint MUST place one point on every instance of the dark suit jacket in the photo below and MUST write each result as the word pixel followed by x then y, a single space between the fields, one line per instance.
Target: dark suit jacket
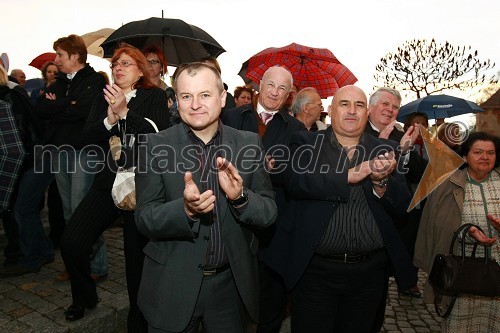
pixel 317 182
pixel 66 115
pixel 416 164
pixel 173 267
pixel 276 142
pixel 148 103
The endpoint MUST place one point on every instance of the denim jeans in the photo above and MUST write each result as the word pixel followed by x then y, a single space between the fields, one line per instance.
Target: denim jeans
pixel 74 178
pixel 33 242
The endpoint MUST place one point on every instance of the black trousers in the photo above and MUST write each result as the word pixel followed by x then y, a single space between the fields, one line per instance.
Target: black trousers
pixel 219 307
pixel 272 301
pixel 338 297
pixel 95 213
pixel 56 214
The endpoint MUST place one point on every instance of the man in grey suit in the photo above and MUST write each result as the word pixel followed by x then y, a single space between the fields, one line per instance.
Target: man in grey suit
pixel 200 186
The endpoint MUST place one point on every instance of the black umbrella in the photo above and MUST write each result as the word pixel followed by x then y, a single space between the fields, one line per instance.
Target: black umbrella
pixel 180 42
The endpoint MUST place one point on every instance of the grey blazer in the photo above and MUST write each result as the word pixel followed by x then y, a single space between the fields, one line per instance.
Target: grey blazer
pixel 173 266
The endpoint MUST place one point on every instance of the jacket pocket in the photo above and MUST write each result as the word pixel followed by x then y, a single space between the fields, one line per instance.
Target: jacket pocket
pixel 155 253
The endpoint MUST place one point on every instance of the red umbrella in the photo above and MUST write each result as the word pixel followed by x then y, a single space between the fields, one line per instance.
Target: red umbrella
pixel 310 67
pixel 39 61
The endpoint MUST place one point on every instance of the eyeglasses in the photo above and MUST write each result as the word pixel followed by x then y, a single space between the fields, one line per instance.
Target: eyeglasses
pixel 320 105
pixel 123 63
pixel 153 62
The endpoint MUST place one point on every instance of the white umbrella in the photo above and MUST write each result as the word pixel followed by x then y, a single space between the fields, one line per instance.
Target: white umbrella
pixel 94 39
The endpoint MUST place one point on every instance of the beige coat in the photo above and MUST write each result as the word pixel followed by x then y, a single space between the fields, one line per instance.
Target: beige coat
pixel 441 217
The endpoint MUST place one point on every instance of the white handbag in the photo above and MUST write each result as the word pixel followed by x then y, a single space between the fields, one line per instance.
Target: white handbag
pixel 123 191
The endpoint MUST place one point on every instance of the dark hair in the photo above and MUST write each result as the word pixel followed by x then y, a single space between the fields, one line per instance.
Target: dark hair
pixel 142 64
pixel 73 44
pixel 156 50
pixel 409 119
pixel 45 67
pixel 239 90
pixel 480 136
pixel 170 93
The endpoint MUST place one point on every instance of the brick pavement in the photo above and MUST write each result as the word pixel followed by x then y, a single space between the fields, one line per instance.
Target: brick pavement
pixel 36 302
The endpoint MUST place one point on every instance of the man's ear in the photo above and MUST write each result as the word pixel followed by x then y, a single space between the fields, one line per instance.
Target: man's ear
pixel 223 98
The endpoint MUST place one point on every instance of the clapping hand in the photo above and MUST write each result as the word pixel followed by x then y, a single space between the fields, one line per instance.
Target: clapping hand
pixel 116 100
pixel 270 162
pixel 409 138
pixel 196 203
pixel 384 134
pixel 230 180
pixel 50 96
pixel 382 166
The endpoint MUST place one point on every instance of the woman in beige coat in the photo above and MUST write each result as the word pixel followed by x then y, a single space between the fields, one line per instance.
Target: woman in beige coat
pixel 469 195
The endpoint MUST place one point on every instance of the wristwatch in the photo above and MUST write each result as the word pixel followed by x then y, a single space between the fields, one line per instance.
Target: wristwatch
pixel 241 199
pixel 381 184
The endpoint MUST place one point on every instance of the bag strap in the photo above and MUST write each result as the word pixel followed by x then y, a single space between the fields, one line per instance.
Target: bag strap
pixel 439 311
pixel 465 229
pixel 152 124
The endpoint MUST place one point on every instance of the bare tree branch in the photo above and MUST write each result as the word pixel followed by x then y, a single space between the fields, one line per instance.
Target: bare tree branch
pixel 425 67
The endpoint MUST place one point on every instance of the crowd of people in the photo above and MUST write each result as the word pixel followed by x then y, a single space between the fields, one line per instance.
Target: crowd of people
pixel 249 207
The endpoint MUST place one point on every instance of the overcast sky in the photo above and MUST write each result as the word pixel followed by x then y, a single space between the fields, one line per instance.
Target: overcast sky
pixel 359 33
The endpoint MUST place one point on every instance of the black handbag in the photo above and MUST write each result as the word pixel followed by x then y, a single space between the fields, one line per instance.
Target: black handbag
pixel 452 275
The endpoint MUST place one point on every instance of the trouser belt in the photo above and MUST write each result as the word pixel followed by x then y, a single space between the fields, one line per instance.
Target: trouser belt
pixel 349 258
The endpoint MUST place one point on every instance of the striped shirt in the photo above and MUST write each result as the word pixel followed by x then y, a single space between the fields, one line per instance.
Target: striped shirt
pixel 352 228
pixel 207 156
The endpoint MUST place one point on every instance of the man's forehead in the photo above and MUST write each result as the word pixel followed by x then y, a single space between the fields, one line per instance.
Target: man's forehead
pixel 278 74
pixel 350 96
pixel 386 97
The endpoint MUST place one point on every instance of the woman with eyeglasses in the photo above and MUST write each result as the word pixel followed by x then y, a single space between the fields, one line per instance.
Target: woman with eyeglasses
pixel 124 109
pixel 157 65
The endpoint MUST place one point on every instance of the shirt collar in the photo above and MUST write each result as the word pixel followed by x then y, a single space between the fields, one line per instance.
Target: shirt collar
pixel 261 109
pixel 373 126
pixel 70 76
pixel 130 95
pixel 192 135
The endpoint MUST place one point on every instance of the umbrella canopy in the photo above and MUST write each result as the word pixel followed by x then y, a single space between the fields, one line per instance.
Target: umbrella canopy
pixel 310 67
pixel 40 60
pixel 438 106
pixel 180 42
pixel 94 39
pixel 5 60
pixel 11 154
pixel 34 84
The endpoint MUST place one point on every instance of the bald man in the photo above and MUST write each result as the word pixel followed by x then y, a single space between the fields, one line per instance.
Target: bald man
pixel 344 187
pixel 271 120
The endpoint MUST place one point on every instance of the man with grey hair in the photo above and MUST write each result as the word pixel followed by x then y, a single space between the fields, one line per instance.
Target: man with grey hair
pixel 20 77
pixel 307 108
pixel 383 109
pixel 271 120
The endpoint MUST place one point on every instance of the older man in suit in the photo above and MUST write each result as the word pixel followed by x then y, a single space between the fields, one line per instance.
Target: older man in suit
pixel 344 189
pixel 200 187
pixel 383 108
pixel 275 126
